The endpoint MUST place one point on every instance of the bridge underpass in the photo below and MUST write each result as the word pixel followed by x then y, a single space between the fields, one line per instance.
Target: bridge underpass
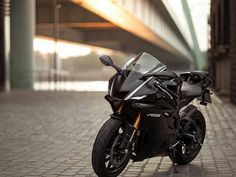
pixel 51 133
pixel 127 26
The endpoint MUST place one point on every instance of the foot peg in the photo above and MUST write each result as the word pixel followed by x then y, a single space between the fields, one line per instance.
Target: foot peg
pixel 172 155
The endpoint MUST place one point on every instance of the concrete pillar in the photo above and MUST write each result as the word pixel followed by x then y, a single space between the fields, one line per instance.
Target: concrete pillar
pixel 22 35
pixel 200 60
pixel 4 44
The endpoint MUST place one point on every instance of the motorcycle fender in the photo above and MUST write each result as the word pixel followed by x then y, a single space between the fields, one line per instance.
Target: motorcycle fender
pixel 188 111
pixel 120 117
pixel 127 121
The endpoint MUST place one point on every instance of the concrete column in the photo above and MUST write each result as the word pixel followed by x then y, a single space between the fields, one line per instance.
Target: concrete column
pixel 4 44
pixel 200 60
pixel 22 35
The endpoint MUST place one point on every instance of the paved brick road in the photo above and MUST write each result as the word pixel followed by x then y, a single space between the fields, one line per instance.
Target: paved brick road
pixel 51 134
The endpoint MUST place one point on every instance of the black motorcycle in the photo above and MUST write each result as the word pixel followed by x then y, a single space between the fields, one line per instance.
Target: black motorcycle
pixel 151 115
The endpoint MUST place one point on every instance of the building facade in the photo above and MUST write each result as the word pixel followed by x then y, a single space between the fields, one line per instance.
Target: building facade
pixel 222 52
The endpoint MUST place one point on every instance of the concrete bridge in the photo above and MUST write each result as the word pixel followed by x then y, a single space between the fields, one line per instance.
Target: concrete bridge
pixel 130 26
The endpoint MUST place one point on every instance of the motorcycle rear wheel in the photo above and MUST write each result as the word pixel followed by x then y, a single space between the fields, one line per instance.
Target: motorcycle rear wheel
pixel 108 159
pixel 184 154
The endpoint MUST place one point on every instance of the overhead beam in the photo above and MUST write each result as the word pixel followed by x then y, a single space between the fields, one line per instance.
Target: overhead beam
pixel 69 12
pixel 117 14
pixel 89 25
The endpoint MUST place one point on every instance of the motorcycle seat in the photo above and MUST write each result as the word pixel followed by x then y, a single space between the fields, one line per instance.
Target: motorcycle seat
pixel 190 90
pixel 194 76
pixel 201 73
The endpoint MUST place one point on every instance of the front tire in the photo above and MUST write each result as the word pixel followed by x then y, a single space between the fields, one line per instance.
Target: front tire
pixel 108 159
pixel 187 152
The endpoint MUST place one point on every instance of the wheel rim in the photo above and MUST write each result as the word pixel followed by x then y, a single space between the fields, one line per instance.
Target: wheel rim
pixel 192 139
pixel 115 156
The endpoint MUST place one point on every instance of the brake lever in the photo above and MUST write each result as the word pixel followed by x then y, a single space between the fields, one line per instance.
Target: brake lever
pixel 123 73
pixel 157 83
pixel 145 76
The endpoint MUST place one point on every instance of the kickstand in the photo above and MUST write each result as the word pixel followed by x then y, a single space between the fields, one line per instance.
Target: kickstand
pixel 172 154
pixel 174 168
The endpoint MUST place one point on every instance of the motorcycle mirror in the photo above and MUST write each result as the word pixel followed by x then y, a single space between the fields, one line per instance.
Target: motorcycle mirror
pixel 106 60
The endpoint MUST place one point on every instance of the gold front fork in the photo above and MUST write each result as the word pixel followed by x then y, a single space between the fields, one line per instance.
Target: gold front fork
pixel 137 121
pixel 136 126
pixel 120 107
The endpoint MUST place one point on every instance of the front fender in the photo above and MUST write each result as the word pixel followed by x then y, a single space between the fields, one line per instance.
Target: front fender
pixel 124 118
pixel 113 102
pixel 128 131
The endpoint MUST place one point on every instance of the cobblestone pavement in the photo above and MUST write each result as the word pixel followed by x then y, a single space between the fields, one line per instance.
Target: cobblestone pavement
pixel 51 134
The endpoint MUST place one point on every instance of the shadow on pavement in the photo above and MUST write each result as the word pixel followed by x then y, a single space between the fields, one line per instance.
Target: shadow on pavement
pixel 183 171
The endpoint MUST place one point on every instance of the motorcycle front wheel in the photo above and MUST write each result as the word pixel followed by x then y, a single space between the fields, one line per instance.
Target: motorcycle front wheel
pixel 108 158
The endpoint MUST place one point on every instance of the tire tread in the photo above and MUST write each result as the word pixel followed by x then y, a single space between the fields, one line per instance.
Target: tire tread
pixel 102 139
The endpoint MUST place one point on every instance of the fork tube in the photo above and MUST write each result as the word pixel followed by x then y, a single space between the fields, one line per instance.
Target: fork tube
pixel 136 126
pixel 137 121
pixel 120 107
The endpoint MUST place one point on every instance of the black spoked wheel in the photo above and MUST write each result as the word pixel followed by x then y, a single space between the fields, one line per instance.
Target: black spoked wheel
pixel 191 139
pixel 108 158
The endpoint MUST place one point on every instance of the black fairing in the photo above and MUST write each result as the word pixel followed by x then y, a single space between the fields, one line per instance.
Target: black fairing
pixel 122 84
pixel 114 87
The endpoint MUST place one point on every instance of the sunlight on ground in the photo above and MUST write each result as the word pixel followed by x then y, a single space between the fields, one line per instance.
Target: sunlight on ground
pixel 97 86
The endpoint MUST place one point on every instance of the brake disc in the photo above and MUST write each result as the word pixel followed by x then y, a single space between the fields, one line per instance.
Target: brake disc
pixel 117 154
